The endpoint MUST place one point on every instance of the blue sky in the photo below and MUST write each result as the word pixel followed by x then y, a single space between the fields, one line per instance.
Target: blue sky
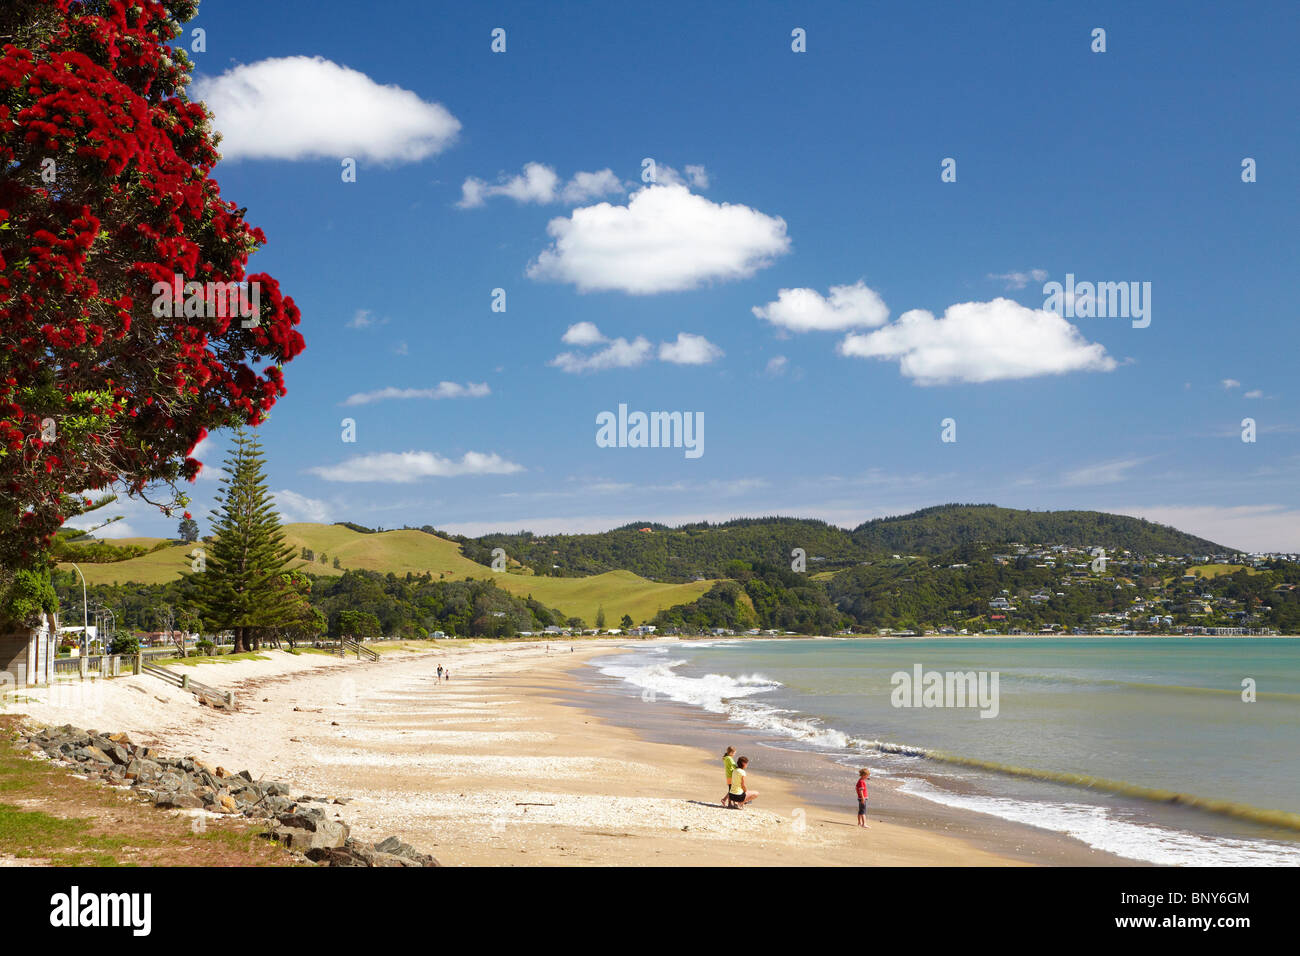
pixel 775 170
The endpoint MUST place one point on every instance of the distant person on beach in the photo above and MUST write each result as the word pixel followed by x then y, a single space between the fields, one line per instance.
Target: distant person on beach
pixel 739 794
pixel 861 788
pixel 439 672
pixel 446 674
pixel 729 767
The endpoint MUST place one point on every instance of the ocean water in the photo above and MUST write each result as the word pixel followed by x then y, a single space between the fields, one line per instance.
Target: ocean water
pixel 1143 748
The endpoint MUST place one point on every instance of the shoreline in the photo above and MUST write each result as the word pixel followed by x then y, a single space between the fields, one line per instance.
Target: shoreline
pixel 512 762
pixel 808 776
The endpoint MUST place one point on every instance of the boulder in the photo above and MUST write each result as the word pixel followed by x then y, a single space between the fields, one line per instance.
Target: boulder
pixel 327 835
pixel 338 856
pixel 178 801
pixel 94 755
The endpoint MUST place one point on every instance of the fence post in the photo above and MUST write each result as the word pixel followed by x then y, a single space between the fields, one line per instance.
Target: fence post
pixel 82 667
pixel 137 666
pixel 185 682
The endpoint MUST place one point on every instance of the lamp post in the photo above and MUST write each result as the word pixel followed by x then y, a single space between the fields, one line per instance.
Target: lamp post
pixel 85 613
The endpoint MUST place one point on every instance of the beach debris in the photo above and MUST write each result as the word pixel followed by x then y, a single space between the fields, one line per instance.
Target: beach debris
pixel 190 784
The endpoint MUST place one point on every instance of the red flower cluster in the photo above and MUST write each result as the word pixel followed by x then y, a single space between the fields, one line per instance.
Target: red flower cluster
pixel 105 190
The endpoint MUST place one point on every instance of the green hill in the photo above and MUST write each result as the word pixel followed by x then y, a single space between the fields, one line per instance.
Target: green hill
pixel 618 592
pixel 706 550
pixel 934 530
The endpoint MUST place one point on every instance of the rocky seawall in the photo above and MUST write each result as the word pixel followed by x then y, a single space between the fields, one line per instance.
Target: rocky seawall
pixel 301 824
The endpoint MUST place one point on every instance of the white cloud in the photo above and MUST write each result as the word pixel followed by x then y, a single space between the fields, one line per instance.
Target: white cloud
pixel 1268 527
pixel 1230 383
pixel 807 310
pixel 689 350
pixel 691 175
pixel 536 184
pixel 777 365
pixel 583 333
pixel 302 107
pixel 665 239
pixel 206 452
pixel 364 319
pixel 584 186
pixel 295 507
pixel 1103 473
pixel 980 342
pixel 407 466
pixel 619 353
pixel 118 529
pixel 1018 280
pixel 1254 393
pixel 443 390
pixel 540 184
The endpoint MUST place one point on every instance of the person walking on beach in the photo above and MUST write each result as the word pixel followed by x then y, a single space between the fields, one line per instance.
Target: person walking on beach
pixel 729 766
pixel 439 673
pixel 739 794
pixel 861 788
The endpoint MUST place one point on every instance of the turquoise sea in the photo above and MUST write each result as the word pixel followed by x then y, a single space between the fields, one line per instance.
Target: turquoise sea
pixel 1141 747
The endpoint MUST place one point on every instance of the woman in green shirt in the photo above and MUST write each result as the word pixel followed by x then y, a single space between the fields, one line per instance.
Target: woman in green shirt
pixel 729 765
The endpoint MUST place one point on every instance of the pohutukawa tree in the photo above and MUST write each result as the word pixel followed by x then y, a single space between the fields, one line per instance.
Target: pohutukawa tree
pixel 106 194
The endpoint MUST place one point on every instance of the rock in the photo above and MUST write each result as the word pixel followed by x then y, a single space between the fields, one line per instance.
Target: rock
pixel 308 818
pixel 226 803
pixel 170 781
pixel 327 835
pixel 388 859
pixel 95 754
pixel 178 801
pixel 337 856
pixel 389 845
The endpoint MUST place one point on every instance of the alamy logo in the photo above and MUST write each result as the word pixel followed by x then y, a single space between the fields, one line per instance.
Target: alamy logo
pixel 74 909
pixel 922 688
pixel 653 430
pixel 195 300
pixel 1102 300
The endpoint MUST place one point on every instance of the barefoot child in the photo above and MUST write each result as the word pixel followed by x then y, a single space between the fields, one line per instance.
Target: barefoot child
pixel 863 774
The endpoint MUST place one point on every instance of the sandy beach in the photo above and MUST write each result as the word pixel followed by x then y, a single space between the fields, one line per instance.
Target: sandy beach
pixel 507 763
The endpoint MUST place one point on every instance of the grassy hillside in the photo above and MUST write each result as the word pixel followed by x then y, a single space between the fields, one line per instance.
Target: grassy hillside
pixel 619 592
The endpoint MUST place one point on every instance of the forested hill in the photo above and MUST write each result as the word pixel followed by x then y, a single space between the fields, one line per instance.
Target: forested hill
pixel 942 528
pixel 662 553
